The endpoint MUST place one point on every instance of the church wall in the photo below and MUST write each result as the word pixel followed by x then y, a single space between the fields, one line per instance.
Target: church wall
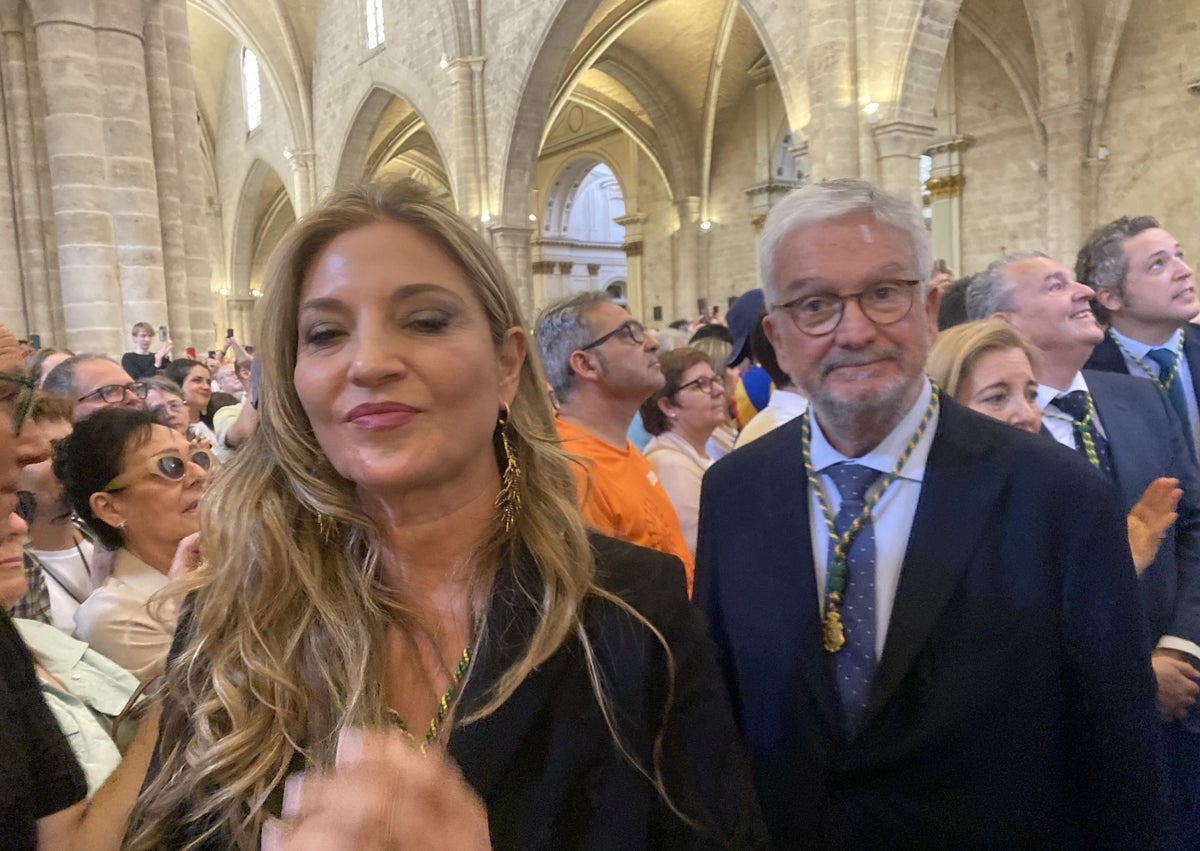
pixel 1003 201
pixel 1152 127
pixel 732 265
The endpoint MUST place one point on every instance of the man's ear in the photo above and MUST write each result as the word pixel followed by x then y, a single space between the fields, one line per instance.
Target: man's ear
pixel 584 365
pixel 1109 299
pixel 104 506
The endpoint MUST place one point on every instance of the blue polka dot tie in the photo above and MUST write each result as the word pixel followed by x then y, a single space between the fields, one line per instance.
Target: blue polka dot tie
pixel 856 660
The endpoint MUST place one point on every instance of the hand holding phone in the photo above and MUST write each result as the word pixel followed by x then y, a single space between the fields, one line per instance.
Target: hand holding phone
pixel 162 333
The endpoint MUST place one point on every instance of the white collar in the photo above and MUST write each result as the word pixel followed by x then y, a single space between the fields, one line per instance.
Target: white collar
pixel 1139 349
pixel 1046 395
pixel 138 575
pixel 884 456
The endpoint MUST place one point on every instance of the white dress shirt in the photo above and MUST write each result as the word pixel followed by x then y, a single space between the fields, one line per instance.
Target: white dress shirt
pixel 68 581
pixel 783 406
pixel 1062 431
pixel 121 621
pixel 893 514
pixel 1141 365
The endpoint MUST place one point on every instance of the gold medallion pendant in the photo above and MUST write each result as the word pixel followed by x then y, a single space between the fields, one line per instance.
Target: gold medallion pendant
pixel 833 630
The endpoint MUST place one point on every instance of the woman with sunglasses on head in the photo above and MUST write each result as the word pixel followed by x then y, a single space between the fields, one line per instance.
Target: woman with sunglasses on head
pixel 682 416
pixel 137 485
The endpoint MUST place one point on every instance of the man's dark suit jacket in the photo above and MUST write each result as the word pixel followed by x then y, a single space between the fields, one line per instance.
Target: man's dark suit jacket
pixel 1013 705
pixel 1106 357
pixel 545 764
pixel 1147 441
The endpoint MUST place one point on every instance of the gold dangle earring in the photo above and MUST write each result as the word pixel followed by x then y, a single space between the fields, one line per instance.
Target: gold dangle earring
pixel 508 501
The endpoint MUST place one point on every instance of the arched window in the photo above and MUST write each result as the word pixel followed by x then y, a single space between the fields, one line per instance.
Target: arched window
pixel 251 90
pixel 375 35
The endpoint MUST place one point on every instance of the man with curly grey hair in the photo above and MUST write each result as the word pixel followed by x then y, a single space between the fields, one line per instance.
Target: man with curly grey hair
pixel 1146 292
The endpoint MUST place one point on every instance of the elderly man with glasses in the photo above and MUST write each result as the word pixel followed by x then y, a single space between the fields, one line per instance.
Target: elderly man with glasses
pixel 602 364
pixel 94 382
pixel 929 619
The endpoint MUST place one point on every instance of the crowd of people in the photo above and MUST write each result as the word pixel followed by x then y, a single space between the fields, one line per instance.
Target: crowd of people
pixel 418 573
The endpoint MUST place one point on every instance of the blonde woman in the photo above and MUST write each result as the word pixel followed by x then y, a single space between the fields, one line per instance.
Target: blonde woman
pixel 990 367
pixel 414 576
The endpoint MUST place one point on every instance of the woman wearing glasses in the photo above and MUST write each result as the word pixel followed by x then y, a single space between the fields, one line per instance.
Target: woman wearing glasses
pixel 137 486
pixel 682 417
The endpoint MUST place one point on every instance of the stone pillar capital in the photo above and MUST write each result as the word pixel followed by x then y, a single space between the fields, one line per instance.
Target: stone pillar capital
pixel 564 268
pixel 901 138
pixel 504 235
pixel 633 249
pixel 688 208
pixel 593 269
pixel 543 267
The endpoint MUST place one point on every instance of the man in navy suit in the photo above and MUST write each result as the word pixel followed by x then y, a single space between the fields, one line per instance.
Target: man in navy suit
pixel 1128 428
pixel 1146 293
pixel 928 620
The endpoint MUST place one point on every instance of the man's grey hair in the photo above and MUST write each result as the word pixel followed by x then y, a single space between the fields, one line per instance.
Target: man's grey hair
pixel 991 291
pixel 833 199
pixel 561 329
pixel 1102 263
pixel 61 380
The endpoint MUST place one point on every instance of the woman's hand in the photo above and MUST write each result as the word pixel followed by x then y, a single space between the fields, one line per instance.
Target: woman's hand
pixel 383 794
pixel 1149 520
pixel 188 556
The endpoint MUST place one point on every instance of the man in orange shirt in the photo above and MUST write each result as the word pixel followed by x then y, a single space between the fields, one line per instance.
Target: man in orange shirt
pixel 602 364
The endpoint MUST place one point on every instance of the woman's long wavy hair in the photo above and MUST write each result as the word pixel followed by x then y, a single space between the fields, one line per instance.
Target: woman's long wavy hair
pixel 284 647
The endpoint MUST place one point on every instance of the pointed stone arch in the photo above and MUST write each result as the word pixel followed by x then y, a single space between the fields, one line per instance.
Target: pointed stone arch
pixel 263 209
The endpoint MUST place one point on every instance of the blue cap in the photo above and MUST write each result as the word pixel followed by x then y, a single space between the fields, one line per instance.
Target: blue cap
pixel 741 318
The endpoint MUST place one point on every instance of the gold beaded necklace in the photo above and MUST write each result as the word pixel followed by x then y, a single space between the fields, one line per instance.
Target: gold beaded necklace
pixel 1164 382
pixel 439 716
pixel 1081 429
pixel 832 628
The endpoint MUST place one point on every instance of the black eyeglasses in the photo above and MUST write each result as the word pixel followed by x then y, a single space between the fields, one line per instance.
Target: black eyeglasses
pixel 112 393
pixel 24 402
pixel 704 384
pixel 633 329
pixel 883 303
pixel 169 467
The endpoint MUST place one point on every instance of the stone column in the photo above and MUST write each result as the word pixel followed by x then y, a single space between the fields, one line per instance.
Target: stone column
pixel 565 286
pixel 304 180
pixel 188 164
pixel 945 188
pixel 240 311
pixel 1066 135
pixel 687 259
pixel 28 218
pixel 512 244
pixel 834 128
pixel 466 167
pixel 593 270
pixel 38 110
pixel 543 280
pixel 635 293
pixel 66 43
pixel 899 146
pixel 170 215
pixel 133 186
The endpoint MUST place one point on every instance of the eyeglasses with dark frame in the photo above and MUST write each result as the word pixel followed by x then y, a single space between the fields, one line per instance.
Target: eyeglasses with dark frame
pixel 112 393
pixel 631 328
pixel 24 403
pixel 884 303
pixel 704 384
pixel 169 467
